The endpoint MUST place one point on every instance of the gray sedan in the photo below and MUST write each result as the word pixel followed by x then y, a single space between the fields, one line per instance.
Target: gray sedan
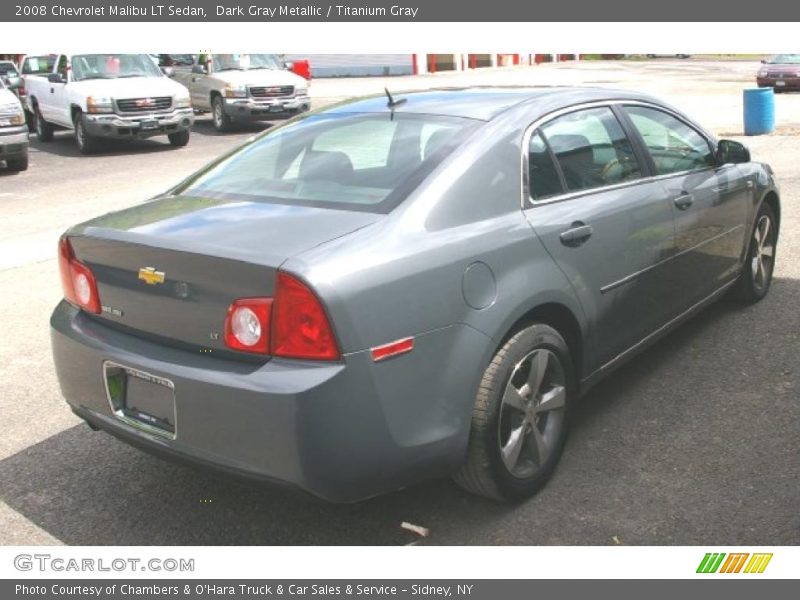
pixel 410 287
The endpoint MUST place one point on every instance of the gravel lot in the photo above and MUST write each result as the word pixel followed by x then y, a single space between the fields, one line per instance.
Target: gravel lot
pixel 694 442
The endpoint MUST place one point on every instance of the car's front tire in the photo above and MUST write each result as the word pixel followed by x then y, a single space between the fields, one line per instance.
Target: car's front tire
pixel 519 420
pixel 179 138
pixel 17 164
pixel 756 277
pixel 87 144
pixel 222 122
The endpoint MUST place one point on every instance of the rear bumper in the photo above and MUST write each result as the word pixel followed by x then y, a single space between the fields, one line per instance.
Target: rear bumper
pixel 253 109
pixel 13 142
pixel 140 126
pixel 340 431
pixel 785 83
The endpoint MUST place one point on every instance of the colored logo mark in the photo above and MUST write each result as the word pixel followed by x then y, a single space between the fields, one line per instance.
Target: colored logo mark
pixel 735 562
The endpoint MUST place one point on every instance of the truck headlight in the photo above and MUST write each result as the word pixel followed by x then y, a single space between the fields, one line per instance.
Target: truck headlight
pixel 301 91
pixel 12 114
pixel 183 102
pixel 235 91
pixel 99 105
pixel 762 73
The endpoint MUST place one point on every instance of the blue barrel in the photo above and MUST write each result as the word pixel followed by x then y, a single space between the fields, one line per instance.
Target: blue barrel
pixel 759 111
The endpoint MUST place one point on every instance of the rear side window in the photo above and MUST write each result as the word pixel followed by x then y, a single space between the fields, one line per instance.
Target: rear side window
pixel 37 65
pixel 674 146
pixel 544 180
pixel 591 149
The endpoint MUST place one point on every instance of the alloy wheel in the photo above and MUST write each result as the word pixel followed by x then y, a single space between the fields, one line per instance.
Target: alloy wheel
pixel 762 260
pixel 532 413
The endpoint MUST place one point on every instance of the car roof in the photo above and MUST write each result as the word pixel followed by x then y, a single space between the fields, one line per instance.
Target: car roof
pixel 483 103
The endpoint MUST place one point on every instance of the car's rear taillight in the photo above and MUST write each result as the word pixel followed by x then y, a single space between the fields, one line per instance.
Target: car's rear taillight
pixel 293 324
pixel 300 327
pixel 77 280
pixel 247 325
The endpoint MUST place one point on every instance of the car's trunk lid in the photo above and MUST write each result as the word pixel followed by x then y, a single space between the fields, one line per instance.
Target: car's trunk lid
pixel 170 268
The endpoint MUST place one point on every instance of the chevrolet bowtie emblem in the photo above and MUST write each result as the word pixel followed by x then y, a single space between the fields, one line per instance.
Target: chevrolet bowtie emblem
pixel 150 276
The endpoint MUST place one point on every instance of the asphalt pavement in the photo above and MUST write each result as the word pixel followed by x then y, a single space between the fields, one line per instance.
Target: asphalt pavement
pixel 693 442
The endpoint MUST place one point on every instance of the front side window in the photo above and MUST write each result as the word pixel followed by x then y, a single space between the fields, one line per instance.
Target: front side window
pixel 591 149
pixel 355 161
pixel 62 66
pixel 674 146
pixel 113 66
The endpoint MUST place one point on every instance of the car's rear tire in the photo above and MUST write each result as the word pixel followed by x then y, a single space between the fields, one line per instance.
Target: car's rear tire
pixel 520 416
pixel 179 138
pixel 222 122
pixel 17 164
pixel 44 130
pixel 87 144
pixel 759 265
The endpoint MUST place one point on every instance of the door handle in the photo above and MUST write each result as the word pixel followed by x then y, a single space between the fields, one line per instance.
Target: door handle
pixel 684 201
pixel 577 234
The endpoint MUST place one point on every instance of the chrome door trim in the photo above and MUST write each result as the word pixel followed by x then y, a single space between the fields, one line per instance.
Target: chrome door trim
pixel 588 381
pixel 628 278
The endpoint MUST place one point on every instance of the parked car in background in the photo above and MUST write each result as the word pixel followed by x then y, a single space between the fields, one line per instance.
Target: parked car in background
pixel 668 55
pixel 241 88
pixel 396 289
pixel 781 72
pixel 98 96
pixel 13 131
pixel 10 75
pixel 301 67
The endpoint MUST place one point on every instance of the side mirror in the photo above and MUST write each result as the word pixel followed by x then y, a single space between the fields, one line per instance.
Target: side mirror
pixel 289 65
pixel 56 78
pixel 168 71
pixel 763 61
pixel 13 82
pixel 729 151
pixel 199 70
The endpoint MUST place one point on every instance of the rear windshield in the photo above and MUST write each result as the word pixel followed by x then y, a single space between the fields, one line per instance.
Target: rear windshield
pixel 7 67
pixel 353 161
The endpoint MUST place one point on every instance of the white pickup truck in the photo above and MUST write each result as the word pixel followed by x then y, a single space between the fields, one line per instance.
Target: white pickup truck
pixel 108 96
pixel 240 88
pixel 13 131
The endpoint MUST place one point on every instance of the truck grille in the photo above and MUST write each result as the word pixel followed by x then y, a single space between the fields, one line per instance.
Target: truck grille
pixel 135 105
pixel 278 91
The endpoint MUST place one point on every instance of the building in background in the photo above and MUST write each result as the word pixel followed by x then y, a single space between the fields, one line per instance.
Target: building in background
pixel 362 65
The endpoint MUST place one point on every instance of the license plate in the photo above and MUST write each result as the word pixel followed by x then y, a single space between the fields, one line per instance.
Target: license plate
pixel 141 399
pixel 149 125
pixel 780 83
pixel 276 108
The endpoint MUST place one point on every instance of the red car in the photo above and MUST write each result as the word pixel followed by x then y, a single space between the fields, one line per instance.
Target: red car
pixel 781 72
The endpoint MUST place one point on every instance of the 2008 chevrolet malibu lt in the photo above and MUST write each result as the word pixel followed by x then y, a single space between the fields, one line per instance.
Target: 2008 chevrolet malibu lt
pixel 409 287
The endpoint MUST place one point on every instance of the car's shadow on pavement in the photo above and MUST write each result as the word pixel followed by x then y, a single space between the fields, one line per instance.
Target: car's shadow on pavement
pixel 203 125
pixel 63 144
pixel 628 468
